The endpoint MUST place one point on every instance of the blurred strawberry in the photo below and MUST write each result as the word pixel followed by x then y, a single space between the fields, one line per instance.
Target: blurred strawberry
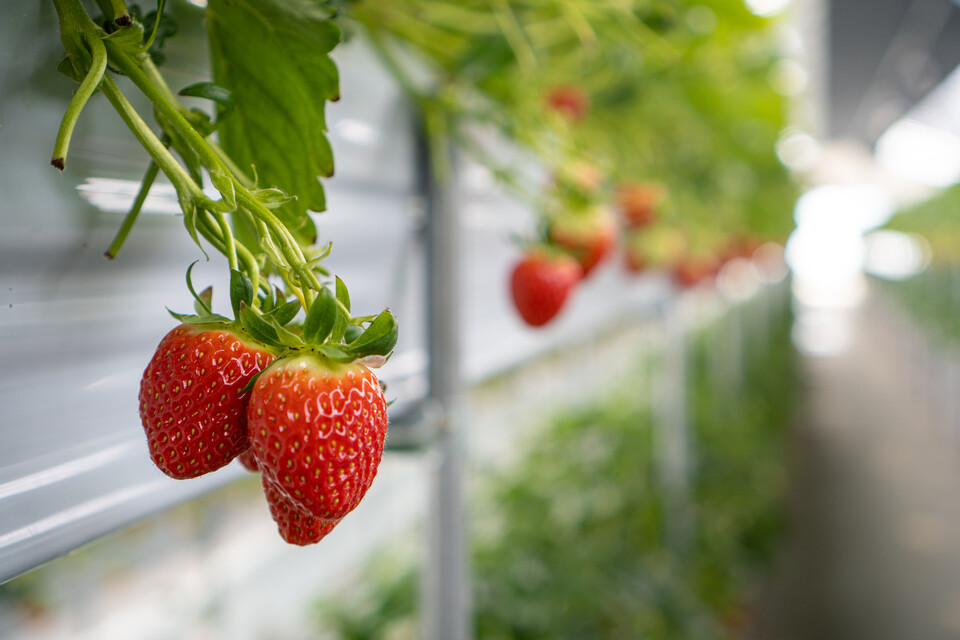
pixel 694 270
pixel 638 203
pixel 541 283
pixel 570 101
pixel 589 236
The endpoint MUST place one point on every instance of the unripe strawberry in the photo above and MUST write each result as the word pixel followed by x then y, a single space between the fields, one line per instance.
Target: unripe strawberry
pixel 317 430
pixel 192 399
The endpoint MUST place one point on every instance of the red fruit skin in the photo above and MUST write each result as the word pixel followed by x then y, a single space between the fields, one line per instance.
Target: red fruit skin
pixel 249 461
pixel 317 431
pixel 589 246
pixel 296 526
pixel 570 101
pixel 541 284
pixel 192 403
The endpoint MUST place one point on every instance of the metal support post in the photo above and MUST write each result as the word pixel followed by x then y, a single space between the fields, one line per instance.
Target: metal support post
pixel 673 446
pixel 446 594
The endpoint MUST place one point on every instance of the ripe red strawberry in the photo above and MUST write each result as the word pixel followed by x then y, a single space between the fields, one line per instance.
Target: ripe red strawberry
pixel 296 526
pixel 638 203
pixel 589 236
pixel 570 101
pixel 192 402
pixel 317 430
pixel 541 284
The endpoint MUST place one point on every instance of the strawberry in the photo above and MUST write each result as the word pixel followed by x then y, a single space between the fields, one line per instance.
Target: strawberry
pixel 541 284
pixel 192 399
pixel 638 203
pixel 570 101
pixel 317 430
pixel 589 236
pixel 296 525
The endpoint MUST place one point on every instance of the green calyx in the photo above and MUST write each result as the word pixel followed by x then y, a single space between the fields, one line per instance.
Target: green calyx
pixel 328 329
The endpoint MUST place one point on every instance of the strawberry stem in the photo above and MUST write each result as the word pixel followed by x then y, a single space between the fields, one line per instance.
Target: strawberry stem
pixel 79 100
pixel 231 245
pixel 188 192
pixel 148 178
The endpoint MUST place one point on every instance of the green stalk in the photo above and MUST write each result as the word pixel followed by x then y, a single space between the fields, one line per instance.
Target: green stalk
pixel 189 193
pixel 231 244
pixel 79 100
pixel 131 218
pixel 160 96
pixel 516 38
pixel 121 17
pixel 214 234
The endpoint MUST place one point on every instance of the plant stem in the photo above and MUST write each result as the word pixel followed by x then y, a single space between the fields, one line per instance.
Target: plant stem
pixel 230 243
pixel 121 17
pixel 161 97
pixel 79 100
pixel 131 218
pixel 188 192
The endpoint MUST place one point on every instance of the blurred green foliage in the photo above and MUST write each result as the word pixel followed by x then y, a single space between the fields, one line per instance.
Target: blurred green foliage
pixel 571 542
pixel 936 220
pixel 680 92
pixel 931 298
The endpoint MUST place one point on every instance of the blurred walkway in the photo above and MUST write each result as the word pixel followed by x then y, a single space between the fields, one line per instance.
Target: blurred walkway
pixel 875 548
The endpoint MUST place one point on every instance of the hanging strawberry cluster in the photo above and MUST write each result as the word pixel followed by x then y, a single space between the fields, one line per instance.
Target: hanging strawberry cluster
pixel 284 383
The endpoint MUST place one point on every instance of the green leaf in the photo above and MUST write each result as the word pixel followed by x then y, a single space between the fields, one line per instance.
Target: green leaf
pixel 289 338
pixel 190 222
pixel 202 303
pixel 272 55
pixel 224 185
pixel 341 324
pixel 187 318
pixel 379 339
pixel 352 333
pixel 241 291
pixel 271 197
pixel 66 68
pixel 335 353
pixel 285 312
pixel 210 91
pixel 129 39
pixel 259 328
pixel 321 317
pixel 202 300
pixel 343 295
